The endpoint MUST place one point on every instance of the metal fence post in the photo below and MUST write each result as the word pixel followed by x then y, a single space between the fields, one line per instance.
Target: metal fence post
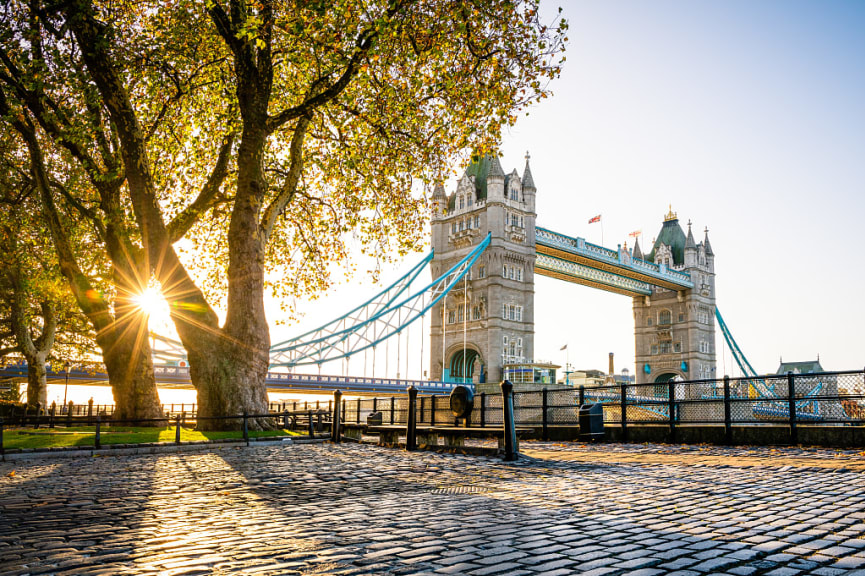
pixel 335 432
pixel 344 411
pixel 623 402
pixel 510 432
pixel 90 412
pixel 411 420
pixel 422 408
pixel 392 405
pixel 358 411
pixel 311 424
pixel 177 429
pixel 285 419
pixel 98 439
pixel 791 389
pixel 245 428
pixel 483 409
pixel 69 414
pixel 728 413
pixel 582 394
pixel 671 408
pixel 544 421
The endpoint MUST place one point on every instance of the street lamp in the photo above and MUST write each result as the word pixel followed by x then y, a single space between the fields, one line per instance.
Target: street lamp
pixel 66 388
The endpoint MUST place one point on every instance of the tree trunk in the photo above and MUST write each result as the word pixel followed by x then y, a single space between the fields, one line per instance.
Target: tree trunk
pixel 130 373
pixel 37 381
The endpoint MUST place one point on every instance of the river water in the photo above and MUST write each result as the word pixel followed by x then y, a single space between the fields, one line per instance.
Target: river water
pixel 81 394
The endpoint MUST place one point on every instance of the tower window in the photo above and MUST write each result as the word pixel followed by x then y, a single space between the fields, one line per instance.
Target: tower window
pixel 482 271
pixel 514 194
pixel 519 274
pixel 649 322
pixel 504 311
pixel 477 221
pixel 469 200
pixel 451 317
pixel 665 317
pixel 461 202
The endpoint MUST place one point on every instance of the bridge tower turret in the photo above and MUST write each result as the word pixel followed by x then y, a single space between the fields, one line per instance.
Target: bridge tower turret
pixel 487 321
pixel 675 330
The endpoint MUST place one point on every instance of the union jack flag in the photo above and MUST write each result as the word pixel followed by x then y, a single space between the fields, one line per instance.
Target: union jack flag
pixel 595 219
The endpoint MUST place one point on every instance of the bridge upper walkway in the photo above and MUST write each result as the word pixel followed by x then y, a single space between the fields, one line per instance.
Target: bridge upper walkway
pixel 575 260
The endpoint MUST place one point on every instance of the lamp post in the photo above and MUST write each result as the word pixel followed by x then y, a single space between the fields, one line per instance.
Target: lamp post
pixel 66 388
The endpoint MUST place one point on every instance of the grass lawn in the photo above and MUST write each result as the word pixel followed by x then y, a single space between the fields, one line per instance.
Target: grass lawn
pixel 85 435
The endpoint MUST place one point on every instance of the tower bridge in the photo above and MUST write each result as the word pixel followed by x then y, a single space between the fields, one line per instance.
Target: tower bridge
pixel 487 328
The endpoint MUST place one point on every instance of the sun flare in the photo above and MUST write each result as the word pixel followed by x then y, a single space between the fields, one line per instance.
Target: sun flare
pixel 150 301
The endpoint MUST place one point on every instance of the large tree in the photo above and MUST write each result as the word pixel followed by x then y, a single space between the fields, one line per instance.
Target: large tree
pixel 39 320
pixel 345 109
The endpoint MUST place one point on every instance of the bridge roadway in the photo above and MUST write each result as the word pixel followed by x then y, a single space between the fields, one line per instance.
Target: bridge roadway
pixel 178 376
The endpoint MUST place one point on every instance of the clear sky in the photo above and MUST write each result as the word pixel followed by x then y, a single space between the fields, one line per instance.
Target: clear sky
pixel 749 119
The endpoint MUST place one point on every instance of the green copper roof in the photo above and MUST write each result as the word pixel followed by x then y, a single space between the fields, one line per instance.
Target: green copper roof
pixel 800 367
pixel 482 168
pixel 673 236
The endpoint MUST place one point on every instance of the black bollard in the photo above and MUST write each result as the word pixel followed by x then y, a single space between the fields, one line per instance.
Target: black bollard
pixel 545 423
pixel 582 395
pixel 411 420
pixel 285 419
pixel 38 414
pixel 728 415
pixel 335 432
pixel 510 432
pixel 177 430
pixel 311 424
pixel 51 414
pixel 69 414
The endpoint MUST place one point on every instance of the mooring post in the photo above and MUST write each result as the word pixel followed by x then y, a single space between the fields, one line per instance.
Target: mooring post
pixel 177 429
pixel 411 420
pixel 623 402
pixel 671 408
pixel 98 440
pixel 510 433
pixel 728 413
pixel 335 431
pixel 432 410
pixel 545 435
pixel 791 389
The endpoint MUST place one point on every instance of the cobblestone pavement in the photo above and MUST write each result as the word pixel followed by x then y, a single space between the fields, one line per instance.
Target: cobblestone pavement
pixel 353 509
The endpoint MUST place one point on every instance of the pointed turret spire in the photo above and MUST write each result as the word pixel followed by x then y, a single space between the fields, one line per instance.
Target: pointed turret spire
pixel 708 246
pixel 637 253
pixel 439 191
pixel 496 168
pixel 689 241
pixel 528 181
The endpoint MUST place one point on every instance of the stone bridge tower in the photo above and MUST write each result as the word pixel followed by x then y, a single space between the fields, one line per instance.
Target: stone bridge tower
pixel 675 330
pixel 493 311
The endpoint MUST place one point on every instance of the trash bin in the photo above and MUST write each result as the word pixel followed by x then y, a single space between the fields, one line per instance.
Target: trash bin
pixel 591 422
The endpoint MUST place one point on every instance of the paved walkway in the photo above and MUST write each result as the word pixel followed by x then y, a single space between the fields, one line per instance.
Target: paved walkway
pixel 350 509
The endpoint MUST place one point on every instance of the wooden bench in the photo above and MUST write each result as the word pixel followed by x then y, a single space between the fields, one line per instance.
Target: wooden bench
pixel 450 436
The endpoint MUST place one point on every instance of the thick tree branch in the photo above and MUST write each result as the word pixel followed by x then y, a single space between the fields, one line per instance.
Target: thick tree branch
pixel 181 224
pixel 289 188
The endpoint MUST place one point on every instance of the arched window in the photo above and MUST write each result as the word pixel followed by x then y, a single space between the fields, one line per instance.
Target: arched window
pixel 665 317
pixel 469 200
